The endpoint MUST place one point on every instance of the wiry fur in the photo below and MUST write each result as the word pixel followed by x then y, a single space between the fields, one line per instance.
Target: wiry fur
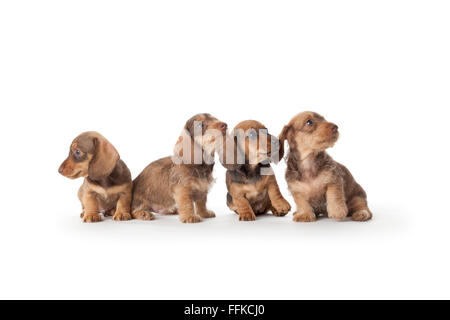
pixel 319 185
pixel 167 186
pixel 249 191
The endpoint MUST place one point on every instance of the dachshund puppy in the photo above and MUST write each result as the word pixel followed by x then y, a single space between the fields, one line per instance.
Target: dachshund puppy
pixel 107 185
pixel 319 184
pixel 252 186
pixel 180 184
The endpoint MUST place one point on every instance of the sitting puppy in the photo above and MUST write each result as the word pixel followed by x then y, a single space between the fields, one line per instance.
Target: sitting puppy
pixel 107 185
pixel 318 184
pixel 175 184
pixel 252 186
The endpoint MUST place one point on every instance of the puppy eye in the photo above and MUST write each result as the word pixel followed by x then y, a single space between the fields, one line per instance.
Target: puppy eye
pixel 309 123
pixel 200 125
pixel 77 153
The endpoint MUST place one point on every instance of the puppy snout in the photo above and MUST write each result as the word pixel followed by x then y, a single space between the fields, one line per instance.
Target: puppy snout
pixel 61 168
pixel 334 128
pixel 223 127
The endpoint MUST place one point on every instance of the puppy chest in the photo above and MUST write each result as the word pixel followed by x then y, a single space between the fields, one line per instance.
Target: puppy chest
pixel 253 193
pixel 107 196
pixel 309 189
pixel 109 202
pixel 200 188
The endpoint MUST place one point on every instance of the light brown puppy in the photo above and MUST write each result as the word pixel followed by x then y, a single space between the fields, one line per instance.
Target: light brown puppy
pixel 319 184
pixel 180 184
pixel 252 186
pixel 107 185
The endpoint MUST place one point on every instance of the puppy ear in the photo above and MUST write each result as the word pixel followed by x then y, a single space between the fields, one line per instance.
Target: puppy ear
pixel 183 151
pixel 284 135
pixel 104 160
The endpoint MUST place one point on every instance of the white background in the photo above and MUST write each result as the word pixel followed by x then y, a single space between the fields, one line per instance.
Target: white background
pixel 137 70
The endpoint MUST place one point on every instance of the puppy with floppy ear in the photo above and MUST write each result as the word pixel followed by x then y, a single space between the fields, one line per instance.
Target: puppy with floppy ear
pixel 107 185
pixel 252 186
pixel 180 184
pixel 319 184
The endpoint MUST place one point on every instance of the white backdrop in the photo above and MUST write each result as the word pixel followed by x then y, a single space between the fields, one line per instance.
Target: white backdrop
pixel 137 70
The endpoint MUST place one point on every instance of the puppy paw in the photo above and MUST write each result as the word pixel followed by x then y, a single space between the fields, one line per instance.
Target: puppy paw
pixel 281 208
pixel 207 214
pixel 362 215
pixel 304 217
pixel 248 216
pixel 122 216
pixel 338 212
pixel 90 219
pixel 190 219
pixel 82 215
pixel 143 215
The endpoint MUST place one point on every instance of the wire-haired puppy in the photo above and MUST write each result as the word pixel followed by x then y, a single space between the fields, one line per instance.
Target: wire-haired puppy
pixel 252 186
pixel 107 184
pixel 180 184
pixel 319 184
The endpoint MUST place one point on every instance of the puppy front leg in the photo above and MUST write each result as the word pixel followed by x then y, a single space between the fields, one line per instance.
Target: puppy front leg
pixel 336 206
pixel 185 205
pixel 123 207
pixel 244 209
pixel 305 212
pixel 201 209
pixel 280 207
pixel 90 205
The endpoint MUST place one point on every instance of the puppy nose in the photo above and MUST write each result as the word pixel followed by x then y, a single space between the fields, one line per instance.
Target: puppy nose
pixel 223 126
pixel 334 128
pixel 62 167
